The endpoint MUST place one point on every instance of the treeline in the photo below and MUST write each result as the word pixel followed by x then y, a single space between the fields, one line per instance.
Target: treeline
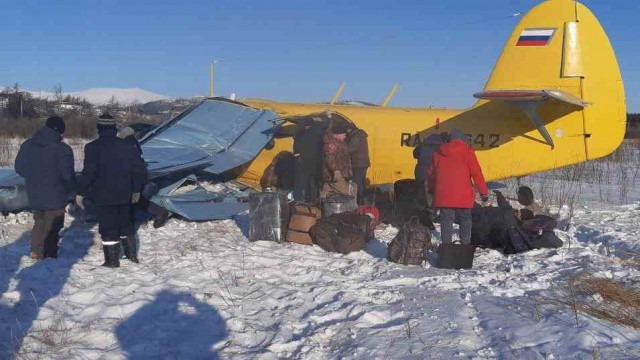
pixel 21 113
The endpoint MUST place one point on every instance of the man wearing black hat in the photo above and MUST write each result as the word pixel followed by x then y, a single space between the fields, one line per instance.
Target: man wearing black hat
pixel 46 164
pixel 112 177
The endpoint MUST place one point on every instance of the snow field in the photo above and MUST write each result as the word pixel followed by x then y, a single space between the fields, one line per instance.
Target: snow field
pixel 203 290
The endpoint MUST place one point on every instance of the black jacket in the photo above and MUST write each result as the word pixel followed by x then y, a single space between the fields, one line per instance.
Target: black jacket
pixel 133 141
pixel 358 149
pixel 113 170
pixel 46 164
pixel 307 145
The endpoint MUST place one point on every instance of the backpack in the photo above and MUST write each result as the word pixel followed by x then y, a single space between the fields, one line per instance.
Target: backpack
pixel 340 233
pixel 303 218
pixel 411 245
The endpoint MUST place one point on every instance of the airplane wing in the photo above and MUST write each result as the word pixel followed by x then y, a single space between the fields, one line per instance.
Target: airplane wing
pixel 215 135
pixel 192 201
pixel 13 194
pixel 530 100
pixel 531 95
pixel 211 137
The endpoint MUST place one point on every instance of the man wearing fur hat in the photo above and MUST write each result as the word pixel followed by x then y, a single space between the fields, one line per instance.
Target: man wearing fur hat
pixel 113 175
pixel 46 164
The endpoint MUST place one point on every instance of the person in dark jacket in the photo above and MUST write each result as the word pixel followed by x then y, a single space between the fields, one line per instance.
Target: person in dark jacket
pixel 46 164
pixel 307 148
pixel 424 154
pixel 359 155
pixel 160 215
pixel 113 177
pixel 449 177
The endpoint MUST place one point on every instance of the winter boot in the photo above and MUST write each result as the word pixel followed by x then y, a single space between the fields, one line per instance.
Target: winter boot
pixel 161 219
pixel 129 246
pixel 111 250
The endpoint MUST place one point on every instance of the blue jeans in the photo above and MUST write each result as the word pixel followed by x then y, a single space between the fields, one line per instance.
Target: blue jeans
pixel 463 217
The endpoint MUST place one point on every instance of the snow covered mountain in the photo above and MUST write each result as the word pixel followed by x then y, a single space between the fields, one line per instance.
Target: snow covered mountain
pixel 101 96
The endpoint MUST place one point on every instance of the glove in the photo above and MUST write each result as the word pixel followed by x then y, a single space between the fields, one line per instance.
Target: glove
pixel 79 201
pixel 485 198
pixel 135 197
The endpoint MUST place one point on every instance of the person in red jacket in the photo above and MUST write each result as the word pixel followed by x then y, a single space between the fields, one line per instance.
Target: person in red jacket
pixel 453 167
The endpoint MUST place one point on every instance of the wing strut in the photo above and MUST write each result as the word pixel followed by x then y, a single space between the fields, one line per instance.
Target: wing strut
pixel 530 108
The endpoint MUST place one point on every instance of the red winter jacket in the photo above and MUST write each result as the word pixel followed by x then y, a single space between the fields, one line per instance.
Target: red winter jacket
pixel 450 174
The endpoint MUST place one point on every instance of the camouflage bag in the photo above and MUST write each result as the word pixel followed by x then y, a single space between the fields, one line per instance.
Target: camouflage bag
pixel 411 245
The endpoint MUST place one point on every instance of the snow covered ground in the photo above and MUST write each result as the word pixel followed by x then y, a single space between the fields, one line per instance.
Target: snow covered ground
pixel 203 291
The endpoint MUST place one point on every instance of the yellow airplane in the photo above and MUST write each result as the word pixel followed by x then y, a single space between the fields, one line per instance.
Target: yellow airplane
pixel 554 98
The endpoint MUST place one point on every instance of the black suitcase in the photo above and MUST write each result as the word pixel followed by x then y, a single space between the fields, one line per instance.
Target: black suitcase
pixel 455 256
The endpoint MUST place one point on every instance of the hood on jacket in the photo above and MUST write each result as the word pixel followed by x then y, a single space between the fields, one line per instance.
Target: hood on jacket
pixel 46 136
pixel 457 134
pixel 454 147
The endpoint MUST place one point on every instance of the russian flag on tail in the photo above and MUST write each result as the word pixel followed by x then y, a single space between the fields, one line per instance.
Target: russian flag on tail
pixel 535 37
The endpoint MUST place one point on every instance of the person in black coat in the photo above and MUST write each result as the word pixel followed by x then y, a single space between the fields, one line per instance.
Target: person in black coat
pixel 46 164
pixel 160 215
pixel 113 176
pixel 307 148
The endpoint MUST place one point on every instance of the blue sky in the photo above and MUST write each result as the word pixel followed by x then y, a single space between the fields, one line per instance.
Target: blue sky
pixel 282 49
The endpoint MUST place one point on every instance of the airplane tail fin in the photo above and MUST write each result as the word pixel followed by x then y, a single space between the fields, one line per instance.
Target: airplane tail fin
pixel 560 45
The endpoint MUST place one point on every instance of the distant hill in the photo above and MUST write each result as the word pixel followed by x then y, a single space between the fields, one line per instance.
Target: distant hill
pixel 166 106
pixel 102 96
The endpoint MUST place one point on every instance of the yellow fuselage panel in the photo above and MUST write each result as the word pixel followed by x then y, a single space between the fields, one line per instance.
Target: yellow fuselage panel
pixel 393 132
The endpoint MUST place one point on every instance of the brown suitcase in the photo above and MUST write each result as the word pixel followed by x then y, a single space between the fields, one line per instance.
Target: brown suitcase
pixel 303 218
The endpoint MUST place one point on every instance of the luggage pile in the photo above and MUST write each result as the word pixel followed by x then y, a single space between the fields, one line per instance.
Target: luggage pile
pixel 340 226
